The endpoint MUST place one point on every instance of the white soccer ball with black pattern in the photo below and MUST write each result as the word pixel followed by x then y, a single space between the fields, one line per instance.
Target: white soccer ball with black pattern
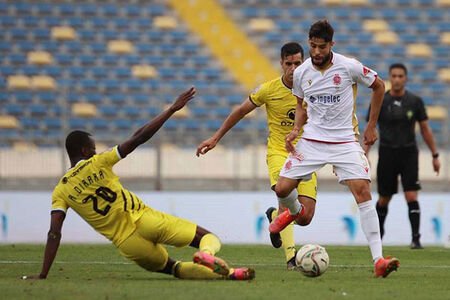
pixel 312 260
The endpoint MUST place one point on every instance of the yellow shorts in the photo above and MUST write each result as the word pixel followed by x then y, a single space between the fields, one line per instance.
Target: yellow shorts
pixel 153 229
pixel 276 161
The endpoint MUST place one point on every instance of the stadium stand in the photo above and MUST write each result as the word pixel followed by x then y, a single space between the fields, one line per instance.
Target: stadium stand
pixel 127 60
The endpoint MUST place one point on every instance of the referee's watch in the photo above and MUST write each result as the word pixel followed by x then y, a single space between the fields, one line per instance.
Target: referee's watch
pixel 435 155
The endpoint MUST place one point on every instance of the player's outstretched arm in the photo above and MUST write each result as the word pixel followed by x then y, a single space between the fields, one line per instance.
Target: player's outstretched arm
pixel 144 133
pixel 370 133
pixel 233 118
pixel 53 239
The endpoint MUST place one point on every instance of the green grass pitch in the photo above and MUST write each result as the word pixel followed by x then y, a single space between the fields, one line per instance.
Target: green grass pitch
pixel 99 272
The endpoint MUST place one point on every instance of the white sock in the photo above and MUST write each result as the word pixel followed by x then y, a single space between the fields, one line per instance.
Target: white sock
pixel 291 202
pixel 371 228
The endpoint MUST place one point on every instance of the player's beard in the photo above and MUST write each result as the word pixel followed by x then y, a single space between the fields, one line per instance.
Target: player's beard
pixel 325 60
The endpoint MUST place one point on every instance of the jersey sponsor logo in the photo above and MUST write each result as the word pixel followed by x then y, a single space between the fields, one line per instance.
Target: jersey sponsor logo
pixel 309 81
pixel 337 79
pixel 325 99
pixel 291 114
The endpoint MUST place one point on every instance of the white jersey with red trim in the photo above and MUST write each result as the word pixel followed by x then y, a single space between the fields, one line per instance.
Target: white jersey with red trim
pixel 331 97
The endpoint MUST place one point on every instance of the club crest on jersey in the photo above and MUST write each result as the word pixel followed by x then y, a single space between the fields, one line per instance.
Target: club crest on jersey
pixel 288 165
pixel 366 71
pixel 337 79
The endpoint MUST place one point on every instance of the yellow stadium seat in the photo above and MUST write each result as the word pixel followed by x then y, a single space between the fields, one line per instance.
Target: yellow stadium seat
pixel 23 146
pixel 419 50
pixel 19 82
pixel 83 109
pixel 332 2
pixel 40 58
pixel 182 113
pixel 444 75
pixel 120 46
pixel 63 33
pixel 445 3
pixel 165 22
pixel 261 24
pixel 437 112
pixel 358 2
pixel 43 82
pixel 445 38
pixel 8 122
pixel 144 71
pixel 386 38
pixel 375 25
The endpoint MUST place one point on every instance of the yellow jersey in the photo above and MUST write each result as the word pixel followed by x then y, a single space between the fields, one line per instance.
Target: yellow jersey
pixel 280 107
pixel 94 191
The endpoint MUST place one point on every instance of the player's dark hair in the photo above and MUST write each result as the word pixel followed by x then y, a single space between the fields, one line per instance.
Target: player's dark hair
pixel 398 66
pixel 75 141
pixel 322 30
pixel 291 48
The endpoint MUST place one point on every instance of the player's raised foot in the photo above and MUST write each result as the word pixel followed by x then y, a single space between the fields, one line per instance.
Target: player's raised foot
pixel 215 263
pixel 291 265
pixel 242 273
pixel 275 238
pixel 384 266
pixel 283 220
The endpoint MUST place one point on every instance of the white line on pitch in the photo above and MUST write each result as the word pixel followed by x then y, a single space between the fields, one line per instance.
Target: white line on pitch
pixel 6 262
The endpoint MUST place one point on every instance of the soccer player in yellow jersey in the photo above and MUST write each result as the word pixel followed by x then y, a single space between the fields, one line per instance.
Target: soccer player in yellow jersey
pixel 280 106
pixel 92 190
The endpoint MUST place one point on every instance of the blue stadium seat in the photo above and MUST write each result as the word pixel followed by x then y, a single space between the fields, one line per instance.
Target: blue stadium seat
pixel 18 33
pixel 100 124
pixel 66 9
pixel 6 70
pixel 94 98
pixel 131 111
pixel 41 33
pixel 108 111
pixel 53 123
pixel 141 99
pixel 99 23
pixel 14 109
pixel 29 123
pixel 76 72
pixel 30 70
pixel 123 124
pixel 63 59
pixel 132 10
pixel 23 97
pixel 47 98
pixel 88 9
pixel 155 10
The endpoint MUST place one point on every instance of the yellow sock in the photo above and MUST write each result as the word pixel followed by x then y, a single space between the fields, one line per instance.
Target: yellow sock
pixel 190 270
pixel 287 237
pixel 210 244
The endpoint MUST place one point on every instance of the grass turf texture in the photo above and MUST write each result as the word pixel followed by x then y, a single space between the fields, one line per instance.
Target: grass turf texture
pixel 99 272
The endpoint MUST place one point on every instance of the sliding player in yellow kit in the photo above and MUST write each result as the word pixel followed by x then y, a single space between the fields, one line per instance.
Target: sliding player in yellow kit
pixel 280 106
pixel 92 189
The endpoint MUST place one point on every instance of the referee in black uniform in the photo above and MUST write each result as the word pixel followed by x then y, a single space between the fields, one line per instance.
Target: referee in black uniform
pixel 398 153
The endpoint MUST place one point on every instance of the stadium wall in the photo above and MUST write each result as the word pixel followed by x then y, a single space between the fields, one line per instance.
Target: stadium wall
pixel 236 217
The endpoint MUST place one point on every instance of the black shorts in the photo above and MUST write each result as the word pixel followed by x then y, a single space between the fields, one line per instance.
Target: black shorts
pixel 397 161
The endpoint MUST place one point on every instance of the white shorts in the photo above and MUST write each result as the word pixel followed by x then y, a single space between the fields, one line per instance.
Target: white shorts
pixel 348 160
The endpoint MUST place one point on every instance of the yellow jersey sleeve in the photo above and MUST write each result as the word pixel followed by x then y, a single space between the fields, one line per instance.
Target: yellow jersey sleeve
pixel 110 157
pixel 259 95
pixel 58 202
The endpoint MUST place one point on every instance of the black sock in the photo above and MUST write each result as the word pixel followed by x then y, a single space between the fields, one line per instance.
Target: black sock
pixel 414 218
pixel 382 212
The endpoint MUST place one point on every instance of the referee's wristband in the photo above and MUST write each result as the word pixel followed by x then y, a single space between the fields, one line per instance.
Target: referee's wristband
pixel 435 155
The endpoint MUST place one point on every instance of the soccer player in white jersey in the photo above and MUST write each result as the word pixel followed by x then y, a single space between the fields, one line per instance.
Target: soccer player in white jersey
pixel 327 83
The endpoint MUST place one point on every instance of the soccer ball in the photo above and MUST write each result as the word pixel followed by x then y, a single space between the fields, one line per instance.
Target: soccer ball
pixel 312 260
